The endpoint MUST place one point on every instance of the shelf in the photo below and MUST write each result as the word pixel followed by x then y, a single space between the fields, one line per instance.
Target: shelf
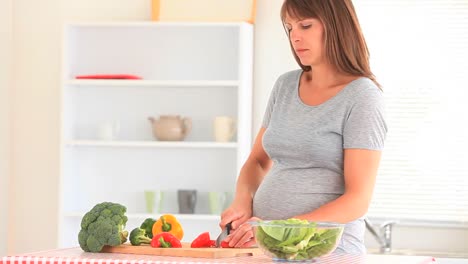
pixel 188 24
pixel 150 144
pixel 178 216
pixel 153 83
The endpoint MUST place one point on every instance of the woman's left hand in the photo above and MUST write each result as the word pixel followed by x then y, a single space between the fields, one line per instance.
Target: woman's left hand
pixel 242 236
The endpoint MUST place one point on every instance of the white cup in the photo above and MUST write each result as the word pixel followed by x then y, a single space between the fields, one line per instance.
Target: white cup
pixel 224 128
pixel 108 130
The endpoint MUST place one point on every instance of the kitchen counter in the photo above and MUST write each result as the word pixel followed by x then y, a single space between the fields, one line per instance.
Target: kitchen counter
pixel 416 252
pixel 77 256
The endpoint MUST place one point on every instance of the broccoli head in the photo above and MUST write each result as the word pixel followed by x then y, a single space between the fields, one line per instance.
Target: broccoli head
pixel 138 236
pixel 147 225
pixel 103 225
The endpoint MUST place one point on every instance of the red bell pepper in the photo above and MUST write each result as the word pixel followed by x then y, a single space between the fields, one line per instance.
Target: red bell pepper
pixel 202 241
pixel 165 240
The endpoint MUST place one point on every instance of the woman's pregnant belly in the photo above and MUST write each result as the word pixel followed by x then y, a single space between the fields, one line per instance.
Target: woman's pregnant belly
pixel 283 199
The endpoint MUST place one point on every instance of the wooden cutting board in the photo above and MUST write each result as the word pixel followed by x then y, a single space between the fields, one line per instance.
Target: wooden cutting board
pixel 184 251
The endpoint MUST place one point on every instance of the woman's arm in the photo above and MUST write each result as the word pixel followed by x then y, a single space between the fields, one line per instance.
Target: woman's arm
pixel 360 170
pixel 250 177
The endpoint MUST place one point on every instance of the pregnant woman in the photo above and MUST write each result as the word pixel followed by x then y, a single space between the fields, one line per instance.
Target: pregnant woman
pixel 317 153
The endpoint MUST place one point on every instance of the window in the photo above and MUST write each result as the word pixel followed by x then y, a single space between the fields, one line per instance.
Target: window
pixel 419 53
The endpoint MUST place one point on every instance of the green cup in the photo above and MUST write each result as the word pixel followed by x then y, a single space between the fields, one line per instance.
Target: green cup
pixel 153 201
pixel 217 202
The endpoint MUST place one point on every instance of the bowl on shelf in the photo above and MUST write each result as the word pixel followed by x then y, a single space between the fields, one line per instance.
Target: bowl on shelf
pixel 297 240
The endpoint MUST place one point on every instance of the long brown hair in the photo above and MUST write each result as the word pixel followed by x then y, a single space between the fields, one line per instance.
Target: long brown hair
pixel 345 46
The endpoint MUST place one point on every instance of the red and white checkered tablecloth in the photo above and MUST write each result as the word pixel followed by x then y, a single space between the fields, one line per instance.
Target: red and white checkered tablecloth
pixel 77 256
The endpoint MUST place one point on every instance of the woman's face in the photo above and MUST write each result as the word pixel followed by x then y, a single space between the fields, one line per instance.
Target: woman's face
pixel 307 38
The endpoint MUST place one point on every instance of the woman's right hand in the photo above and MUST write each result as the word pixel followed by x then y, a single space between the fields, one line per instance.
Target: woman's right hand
pixel 236 214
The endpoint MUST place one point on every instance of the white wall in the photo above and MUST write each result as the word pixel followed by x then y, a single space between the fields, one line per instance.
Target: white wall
pixel 35 101
pixel 272 55
pixel 35 125
pixel 5 84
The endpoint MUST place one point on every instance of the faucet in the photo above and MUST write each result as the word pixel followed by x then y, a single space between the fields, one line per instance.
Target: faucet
pixel 384 235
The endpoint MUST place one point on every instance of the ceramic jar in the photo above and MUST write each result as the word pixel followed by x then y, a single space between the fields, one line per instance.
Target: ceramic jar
pixel 170 127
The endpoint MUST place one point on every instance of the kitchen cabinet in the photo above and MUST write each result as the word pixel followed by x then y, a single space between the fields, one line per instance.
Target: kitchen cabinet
pixel 108 152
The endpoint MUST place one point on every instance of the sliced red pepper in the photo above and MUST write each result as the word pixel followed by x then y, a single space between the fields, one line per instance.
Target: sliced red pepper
pixel 165 240
pixel 202 241
pixel 225 244
pixel 212 243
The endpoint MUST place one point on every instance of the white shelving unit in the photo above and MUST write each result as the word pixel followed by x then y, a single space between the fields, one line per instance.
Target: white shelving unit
pixel 152 83
pixel 196 70
pixel 150 144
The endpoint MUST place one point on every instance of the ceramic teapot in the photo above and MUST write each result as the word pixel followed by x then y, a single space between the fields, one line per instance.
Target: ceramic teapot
pixel 170 127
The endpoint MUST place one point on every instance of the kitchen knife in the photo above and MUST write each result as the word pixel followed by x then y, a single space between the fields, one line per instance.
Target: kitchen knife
pixel 223 234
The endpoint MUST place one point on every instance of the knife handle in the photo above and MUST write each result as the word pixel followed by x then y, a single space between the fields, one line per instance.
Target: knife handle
pixel 228 227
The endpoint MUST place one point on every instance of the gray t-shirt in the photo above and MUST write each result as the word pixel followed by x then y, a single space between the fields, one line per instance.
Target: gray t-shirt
pixel 306 146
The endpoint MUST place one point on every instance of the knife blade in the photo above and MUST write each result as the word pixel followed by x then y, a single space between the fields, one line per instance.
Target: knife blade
pixel 224 234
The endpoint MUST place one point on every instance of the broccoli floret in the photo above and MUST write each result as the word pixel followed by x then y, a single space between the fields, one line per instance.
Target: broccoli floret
pixel 102 226
pixel 147 225
pixel 138 236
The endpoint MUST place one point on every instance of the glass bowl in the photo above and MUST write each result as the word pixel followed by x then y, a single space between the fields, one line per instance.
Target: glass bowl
pixel 297 240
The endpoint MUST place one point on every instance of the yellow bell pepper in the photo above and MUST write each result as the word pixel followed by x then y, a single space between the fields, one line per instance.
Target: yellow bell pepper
pixel 168 223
